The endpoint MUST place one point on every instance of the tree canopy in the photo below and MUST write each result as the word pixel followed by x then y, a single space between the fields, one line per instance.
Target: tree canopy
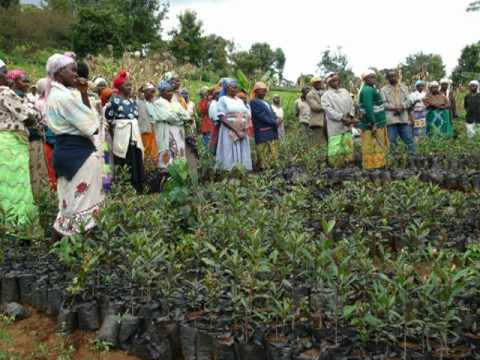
pixel 423 66
pixel 468 67
pixel 261 59
pixel 336 61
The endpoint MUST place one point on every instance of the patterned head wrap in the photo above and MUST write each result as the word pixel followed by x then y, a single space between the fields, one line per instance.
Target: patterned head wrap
pixel 56 62
pixel 120 79
pixel 16 74
pixel 169 76
pixel 164 86
pixel 225 83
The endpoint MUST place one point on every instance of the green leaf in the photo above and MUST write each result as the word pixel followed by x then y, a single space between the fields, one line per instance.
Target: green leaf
pixel 348 310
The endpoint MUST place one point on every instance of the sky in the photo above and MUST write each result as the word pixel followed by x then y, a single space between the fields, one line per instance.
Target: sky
pixel 372 33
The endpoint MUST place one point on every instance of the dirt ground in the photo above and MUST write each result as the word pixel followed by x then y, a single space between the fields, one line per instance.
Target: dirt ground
pixel 35 338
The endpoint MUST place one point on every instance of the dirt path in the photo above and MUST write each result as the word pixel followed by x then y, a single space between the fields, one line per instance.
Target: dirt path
pixel 36 338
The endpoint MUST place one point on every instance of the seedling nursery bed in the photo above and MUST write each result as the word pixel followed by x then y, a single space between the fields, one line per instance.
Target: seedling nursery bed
pixel 291 263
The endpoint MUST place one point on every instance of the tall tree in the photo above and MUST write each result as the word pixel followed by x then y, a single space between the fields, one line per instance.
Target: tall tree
pixel 468 67
pixel 137 22
pixel 216 53
pixel 423 66
pixel 336 61
pixel 279 64
pixel 264 55
pixel 91 36
pixel 260 59
pixel 187 43
pixel 246 62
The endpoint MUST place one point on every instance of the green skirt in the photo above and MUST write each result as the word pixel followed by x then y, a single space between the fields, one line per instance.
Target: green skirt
pixel 439 123
pixel 16 198
pixel 340 149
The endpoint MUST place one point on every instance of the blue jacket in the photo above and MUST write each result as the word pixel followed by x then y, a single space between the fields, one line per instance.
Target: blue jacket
pixel 264 121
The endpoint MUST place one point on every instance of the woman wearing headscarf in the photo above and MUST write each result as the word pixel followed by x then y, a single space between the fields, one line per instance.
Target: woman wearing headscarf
pixel 122 113
pixel 48 135
pixel 439 122
pixel 233 148
pixel 38 165
pixel 265 124
pixel 168 118
pixel 146 127
pixel 446 88
pixel 16 198
pixel 99 84
pixel 74 123
pixel 372 124
pixel 339 115
pixel 190 139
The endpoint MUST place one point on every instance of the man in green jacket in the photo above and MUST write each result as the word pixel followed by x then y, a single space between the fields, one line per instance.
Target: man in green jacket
pixel 372 123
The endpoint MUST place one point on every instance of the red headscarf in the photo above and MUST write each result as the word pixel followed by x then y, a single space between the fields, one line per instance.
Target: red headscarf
pixel 120 79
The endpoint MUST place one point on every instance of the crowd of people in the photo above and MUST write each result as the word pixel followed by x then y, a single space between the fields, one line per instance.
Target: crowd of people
pixel 73 133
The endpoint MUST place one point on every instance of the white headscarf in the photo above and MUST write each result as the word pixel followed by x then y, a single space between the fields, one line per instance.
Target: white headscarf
pixel 367 73
pixel 2 64
pixel 433 83
pixel 474 82
pixel 98 81
pixel 57 62
pixel 445 81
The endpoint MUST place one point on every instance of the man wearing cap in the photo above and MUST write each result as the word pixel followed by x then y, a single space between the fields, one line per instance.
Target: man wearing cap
pixel 397 103
pixel 472 109
pixel 447 90
pixel 339 116
pixel 418 110
pixel 317 119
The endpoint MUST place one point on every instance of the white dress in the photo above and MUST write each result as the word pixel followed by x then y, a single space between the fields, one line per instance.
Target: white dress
pixel 232 151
